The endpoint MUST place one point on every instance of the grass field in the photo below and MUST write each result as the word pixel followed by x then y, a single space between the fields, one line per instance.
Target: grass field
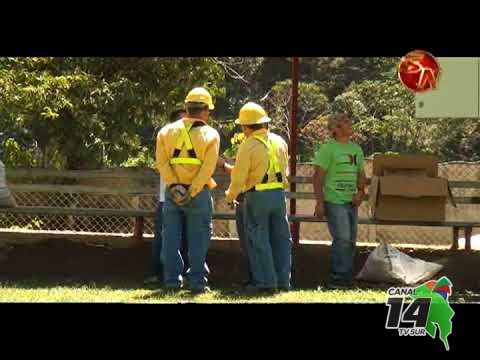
pixel 63 271
pixel 92 293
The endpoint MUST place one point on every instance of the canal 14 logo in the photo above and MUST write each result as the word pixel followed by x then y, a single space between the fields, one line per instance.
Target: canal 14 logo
pixel 421 310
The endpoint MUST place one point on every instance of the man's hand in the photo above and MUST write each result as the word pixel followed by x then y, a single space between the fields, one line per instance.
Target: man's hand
pixel 181 194
pixel 319 210
pixel 233 204
pixel 221 163
pixel 358 198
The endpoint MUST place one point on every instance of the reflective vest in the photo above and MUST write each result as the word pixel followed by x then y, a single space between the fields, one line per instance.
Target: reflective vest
pixel 184 139
pixel 272 162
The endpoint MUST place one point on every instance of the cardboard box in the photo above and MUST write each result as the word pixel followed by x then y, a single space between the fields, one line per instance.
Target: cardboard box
pixel 385 163
pixel 407 188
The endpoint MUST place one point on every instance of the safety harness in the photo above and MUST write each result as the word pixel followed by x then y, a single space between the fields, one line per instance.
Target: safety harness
pixel 272 163
pixel 184 139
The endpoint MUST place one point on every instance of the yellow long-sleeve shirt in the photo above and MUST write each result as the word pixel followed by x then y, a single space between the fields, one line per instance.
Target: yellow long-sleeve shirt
pixel 206 143
pixel 251 163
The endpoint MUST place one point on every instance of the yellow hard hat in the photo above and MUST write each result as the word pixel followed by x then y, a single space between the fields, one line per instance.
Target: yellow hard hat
pixel 200 95
pixel 251 114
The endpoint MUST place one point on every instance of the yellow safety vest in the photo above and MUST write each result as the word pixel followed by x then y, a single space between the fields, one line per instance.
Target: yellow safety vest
pixel 272 162
pixel 184 139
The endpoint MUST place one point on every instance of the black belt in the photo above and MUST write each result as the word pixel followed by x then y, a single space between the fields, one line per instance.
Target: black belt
pixel 184 185
pixel 254 190
pixel 187 185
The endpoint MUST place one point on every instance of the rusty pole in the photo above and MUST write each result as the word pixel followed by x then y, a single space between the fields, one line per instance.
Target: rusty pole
pixel 295 229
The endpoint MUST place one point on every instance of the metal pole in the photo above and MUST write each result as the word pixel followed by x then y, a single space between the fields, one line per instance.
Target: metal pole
pixel 293 148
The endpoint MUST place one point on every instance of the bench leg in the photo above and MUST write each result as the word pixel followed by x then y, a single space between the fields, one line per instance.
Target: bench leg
pixel 295 232
pixel 456 231
pixel 138 229
pixel 298 232
pixel 468 238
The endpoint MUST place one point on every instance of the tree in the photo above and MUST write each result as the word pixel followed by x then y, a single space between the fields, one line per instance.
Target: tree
pixel 89 112
pixel 311 104
pixel 384 113
pixel 335 74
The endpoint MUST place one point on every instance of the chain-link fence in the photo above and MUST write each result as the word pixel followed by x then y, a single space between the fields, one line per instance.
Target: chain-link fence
pixel 100 224
pixel 94 224
pixel 65 196
pixel 457 171
pixel 438 236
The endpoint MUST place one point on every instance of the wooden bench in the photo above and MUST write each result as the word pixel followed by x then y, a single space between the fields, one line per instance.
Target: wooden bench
pixel 457 226
pixel 151 179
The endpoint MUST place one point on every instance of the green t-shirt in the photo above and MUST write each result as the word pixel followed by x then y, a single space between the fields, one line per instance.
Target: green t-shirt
pixel 342 162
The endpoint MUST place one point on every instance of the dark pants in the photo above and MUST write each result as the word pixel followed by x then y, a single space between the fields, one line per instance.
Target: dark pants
pixel 242 234
pixel 156 263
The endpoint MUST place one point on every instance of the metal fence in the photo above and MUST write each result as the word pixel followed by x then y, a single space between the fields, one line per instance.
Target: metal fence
pixel 92 224
pixel 437 236
pixel 458 171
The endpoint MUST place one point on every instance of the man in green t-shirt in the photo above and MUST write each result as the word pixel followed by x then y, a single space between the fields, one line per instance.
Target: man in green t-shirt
pixel 339 184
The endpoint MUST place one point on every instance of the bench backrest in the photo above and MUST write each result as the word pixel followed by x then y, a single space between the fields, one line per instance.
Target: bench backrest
pixel 145 182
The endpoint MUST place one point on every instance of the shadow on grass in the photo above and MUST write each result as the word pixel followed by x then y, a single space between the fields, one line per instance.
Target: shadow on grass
pixel 34 283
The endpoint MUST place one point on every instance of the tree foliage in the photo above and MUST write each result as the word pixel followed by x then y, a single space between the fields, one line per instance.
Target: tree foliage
pixel 87 113
pixel 93 112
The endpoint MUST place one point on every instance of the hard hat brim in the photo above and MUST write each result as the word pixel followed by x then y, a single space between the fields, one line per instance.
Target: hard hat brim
pixel 263 120
pixel 210 106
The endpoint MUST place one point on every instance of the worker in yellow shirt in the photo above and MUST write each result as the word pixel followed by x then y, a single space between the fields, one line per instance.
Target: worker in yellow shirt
pixel 261 172
pixel 186 158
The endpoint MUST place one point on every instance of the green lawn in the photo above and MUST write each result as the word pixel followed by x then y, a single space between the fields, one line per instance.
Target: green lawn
pixel 92 293
pixel 29 291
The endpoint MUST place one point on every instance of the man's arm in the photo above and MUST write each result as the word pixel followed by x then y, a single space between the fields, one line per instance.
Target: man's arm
pixel 318 183
pixel 361 184
pixel 322 162
pixel 162 161
pixel 361 180
pixel 226 167
pixel 286 161
pixel 238 175
pixel 208 166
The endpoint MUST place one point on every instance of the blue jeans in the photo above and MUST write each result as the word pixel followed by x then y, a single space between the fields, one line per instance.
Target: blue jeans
pixel 198 230
pixel 268 238
pixel 156 263
pixel 342 223
pixel 241 223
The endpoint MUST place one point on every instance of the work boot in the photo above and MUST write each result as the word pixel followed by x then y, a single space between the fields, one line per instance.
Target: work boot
pixel 198 291
pixel 339 285
pixel 252 289
pixel 152 280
